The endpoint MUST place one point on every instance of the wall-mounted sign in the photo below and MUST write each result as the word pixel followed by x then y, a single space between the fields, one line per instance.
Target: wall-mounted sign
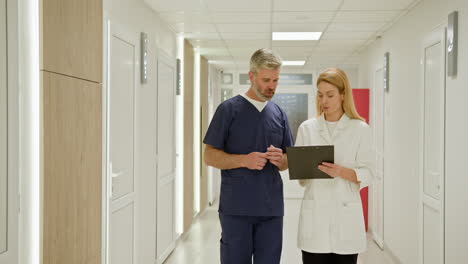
pixel 144 58
pixel 386 65
pixel 452 43
pixel 179 77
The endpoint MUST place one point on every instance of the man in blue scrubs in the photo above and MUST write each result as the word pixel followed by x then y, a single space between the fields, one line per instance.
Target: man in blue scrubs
pixel 247 140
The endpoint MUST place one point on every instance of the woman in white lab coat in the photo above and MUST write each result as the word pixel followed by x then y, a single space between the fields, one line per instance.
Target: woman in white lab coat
pixel 331 225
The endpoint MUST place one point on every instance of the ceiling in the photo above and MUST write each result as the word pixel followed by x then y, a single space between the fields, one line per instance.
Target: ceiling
pixel 227 32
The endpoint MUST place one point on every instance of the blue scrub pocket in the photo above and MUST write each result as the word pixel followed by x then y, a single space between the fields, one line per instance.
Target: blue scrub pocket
pixel 276 137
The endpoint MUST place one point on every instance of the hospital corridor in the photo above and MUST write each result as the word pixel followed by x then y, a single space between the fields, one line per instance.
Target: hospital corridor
pixel 233 132
pixel 201 244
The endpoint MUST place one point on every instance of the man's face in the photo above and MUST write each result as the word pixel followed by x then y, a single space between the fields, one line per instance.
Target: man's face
pixel 264 83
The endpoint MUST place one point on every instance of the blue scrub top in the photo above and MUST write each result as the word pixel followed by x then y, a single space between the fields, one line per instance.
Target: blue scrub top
pixel 239 128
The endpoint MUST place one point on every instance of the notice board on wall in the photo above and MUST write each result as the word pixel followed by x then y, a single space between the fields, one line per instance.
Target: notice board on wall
pixel 295 105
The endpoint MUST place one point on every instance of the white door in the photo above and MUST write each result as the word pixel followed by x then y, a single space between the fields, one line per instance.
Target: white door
pixel 121 84
pixel 433 149
pixel 377 187
pixel 166 157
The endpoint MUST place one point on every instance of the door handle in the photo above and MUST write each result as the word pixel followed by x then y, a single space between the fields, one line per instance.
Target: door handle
pixel 117 174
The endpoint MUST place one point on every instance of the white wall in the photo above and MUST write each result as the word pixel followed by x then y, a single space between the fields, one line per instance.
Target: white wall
pixel 403 127
pixel 137 16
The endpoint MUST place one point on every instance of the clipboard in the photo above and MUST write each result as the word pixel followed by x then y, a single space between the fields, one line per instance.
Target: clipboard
pixel 303 161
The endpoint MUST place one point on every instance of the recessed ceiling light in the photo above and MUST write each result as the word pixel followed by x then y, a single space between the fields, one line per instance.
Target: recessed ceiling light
pixel 296 35
pixel 293 63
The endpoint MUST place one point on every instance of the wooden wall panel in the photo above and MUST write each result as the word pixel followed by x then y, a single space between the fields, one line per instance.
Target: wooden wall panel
pixel 203 127
pixel 72 169
pixel 72 32
pixel 188 135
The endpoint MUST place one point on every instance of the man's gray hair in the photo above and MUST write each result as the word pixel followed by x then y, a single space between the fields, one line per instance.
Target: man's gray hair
pixel 264 59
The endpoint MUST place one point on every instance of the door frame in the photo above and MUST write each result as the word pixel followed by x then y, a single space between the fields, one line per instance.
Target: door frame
pixel 437 34
pixel 13 134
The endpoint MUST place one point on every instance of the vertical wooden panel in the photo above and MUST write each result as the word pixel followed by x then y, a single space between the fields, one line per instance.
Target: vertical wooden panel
pixel 72 152
pixel 188 135
pixel 203 128
pixel 72 38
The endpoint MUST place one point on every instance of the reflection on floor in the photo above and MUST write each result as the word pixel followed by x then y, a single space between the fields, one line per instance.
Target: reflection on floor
pixel 201 244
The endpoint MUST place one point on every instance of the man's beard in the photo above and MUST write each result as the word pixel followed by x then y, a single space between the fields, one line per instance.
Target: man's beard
pixel 260 95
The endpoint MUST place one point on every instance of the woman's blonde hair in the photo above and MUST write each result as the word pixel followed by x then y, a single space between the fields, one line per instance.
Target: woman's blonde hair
pixel 338 78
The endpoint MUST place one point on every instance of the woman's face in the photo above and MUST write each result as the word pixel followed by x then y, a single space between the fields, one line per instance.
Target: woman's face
pixel 330 99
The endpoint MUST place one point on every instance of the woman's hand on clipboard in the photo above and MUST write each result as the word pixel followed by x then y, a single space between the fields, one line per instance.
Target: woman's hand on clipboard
pixel 335 170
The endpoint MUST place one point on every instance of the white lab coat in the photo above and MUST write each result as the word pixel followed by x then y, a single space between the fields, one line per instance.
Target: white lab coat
pixel 331 218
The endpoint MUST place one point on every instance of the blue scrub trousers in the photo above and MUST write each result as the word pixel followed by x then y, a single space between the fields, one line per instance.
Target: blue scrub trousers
pixel 244 238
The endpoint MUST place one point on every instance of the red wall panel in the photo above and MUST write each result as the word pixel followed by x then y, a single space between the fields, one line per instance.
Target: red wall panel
pixel 361 100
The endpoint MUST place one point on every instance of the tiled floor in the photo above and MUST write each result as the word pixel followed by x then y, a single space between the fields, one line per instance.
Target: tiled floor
pixel 201 244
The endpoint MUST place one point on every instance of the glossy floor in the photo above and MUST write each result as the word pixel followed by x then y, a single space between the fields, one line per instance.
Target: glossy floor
pixel 201 244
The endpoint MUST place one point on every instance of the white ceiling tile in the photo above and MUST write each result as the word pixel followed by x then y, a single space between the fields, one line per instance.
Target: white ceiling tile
pixel 189 28
pixel 243 52
pixel 361 27
pixel 302 17
pixel 305 5
pixel 322 49
pixel 176 5
pixel 208 43
pixel 329 61
pixel 305 43
pixel 287 52
pixel 341 42
pixel 214 51
pixel 228 18
pixel 346 35
pixel 365 16
pixel 292 57
pixel 327 52
pixel 240 28
pixel 309 27
pixel 294 51
pixel 202 36
pixel 250 35
pixel 376 4
pixel 249 43
pixel 317 59
pixel 185 17
pixel 238 5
